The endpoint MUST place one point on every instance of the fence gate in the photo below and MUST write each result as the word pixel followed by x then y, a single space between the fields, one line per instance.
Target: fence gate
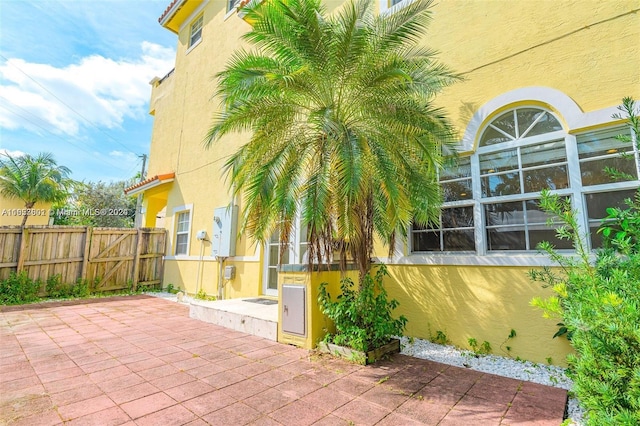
pixel 109 258
pixel 120 259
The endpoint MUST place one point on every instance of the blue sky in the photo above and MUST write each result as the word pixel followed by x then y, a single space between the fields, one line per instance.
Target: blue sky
pixel 74 81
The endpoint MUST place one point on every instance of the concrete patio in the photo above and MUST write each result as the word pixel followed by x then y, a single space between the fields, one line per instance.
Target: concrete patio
pixel 140 360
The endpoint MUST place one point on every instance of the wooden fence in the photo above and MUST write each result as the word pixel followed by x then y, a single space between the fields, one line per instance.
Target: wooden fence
pixel 108 258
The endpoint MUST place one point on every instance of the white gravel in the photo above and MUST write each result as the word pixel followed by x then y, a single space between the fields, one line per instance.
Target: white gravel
pixel 549 375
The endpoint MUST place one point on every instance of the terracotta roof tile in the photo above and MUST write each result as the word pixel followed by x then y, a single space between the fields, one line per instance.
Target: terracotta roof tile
pixel 158 178
pixel 166 11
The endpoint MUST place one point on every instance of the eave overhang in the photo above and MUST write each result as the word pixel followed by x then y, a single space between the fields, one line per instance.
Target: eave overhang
pixel 147 184
pixel 176 13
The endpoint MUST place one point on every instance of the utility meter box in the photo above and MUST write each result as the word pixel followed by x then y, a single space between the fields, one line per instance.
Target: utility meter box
pixel 229 272
pixel 294 315
pixel 225 229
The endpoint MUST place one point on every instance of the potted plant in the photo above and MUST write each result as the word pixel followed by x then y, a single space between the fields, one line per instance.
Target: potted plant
pixel 364 325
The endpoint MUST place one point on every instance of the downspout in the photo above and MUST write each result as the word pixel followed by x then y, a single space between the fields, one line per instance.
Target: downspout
pixel 200 260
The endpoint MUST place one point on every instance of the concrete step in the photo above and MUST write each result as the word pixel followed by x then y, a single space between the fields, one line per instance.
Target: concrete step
pixel 240 315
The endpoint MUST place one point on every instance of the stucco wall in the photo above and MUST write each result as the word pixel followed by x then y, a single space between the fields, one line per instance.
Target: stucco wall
pixel 586 49
pixel 484 303
pixel 11 213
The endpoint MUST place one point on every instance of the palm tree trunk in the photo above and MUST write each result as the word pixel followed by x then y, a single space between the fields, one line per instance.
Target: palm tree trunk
pixel 362 249
pixel 27 206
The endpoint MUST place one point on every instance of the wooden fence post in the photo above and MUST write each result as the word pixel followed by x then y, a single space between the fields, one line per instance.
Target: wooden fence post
pixel 87 252
pixel 136 259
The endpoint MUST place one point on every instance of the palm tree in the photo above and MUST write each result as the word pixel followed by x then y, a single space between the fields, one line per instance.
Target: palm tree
pixel 33 179
pixel 343 130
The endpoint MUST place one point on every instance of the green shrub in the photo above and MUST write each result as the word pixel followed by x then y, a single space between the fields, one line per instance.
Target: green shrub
pixel 362 317
pixel 479 349
pixel 440 338
pixel 599 304
pixel 19 288
pixel 56 289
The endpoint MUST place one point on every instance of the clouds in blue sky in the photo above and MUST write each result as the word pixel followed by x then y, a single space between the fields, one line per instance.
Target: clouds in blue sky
pixel 74 80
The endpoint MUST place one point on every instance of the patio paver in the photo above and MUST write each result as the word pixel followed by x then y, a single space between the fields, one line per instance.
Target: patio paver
pixel 141 360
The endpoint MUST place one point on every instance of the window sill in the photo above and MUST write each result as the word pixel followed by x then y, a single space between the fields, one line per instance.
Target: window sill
pixel 451 259
pixel 193 46
pixel 229 14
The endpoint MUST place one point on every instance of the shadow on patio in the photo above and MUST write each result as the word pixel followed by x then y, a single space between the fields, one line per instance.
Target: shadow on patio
pixel 140 360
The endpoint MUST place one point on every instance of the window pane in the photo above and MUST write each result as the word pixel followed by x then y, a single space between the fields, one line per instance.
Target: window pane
pixel 273 279
pixel 284 259
pixel 597 205
pixel 546 124
pixel 274 252
pixel 459 240
pixel 535 214
pixel 458 217
pixel 458 190
pixel 501 214
pixel 526 117
pixel 506 123
pixel 504 184
pixel 602 143
pixel 505 239
pixel 418 227
pixel 499 162
pixel 303 233
pixel 550 177
pixel 426 241
pixel 459 169
pixel 547 153
pixel 304 248
pixel 196 31
pixel 492 137
pixel 183 222
pixel 593 172
pixel 195 37
pixel 540 233
pixel 181 243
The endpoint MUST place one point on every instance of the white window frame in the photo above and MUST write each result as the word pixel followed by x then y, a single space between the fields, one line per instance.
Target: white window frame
pixel 387 6
pixel 188 208
pixel 574 122
pixel 198 20
pixel 232 5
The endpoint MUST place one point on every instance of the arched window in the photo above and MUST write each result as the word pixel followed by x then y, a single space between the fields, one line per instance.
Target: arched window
pixel 519 123
pixel 521 152
pixel 491 196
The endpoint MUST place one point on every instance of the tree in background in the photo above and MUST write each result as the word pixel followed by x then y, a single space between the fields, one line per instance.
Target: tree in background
pixel 343 128
pixel 33 180
pixel 98 204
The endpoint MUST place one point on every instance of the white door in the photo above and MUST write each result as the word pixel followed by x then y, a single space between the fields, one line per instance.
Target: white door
pixel 296 253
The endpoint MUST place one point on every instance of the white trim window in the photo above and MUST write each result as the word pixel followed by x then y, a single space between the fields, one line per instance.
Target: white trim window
pixel 491 196
pixel 183 228
pixel 195 32
pixel 232 4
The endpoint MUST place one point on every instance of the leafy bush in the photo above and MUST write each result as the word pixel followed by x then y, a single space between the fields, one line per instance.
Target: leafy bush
pixel 362 317
pixel 599 304
pixel 19 288
pixel 57 289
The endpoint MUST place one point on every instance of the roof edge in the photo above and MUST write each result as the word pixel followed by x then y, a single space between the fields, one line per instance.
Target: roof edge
pixel 149 183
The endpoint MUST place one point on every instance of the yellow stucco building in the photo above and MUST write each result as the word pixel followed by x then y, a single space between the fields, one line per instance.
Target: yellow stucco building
pixel 12 212
pixel 542 80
